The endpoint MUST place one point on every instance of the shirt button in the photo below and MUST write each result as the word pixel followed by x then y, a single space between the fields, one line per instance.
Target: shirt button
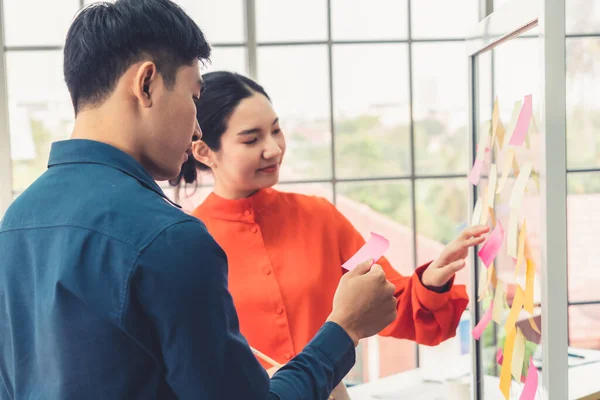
pixel 279 310
pixel 254 229
pixel 287 356
pixel 267 270
pixel 247 213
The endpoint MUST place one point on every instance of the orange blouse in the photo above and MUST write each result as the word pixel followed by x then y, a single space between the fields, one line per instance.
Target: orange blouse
pixel 285 252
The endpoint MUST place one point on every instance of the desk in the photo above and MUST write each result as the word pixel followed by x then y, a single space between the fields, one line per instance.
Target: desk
pixel 584 384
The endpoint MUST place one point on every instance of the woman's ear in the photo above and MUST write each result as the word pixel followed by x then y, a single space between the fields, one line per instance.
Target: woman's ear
pixel 203 153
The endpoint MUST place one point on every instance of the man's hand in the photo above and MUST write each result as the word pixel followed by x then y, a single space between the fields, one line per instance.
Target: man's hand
pixel 364 302
pixel 453 257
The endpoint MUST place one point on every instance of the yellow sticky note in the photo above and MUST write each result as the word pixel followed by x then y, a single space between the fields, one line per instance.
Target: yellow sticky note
pixel 499 297
pixel 485 212
pixel 483 282
pixel 491 189
pixel 508 161
pixel 515 310
pixel 516 198
pixel 507 353
pixel 521 249
pixel 476 217
pixel 512 234
pixel 492 216
pixel 534 325
pixel 500 132
pixel 495 118
pixel 518 355
pixel 529 278
pixel 493 279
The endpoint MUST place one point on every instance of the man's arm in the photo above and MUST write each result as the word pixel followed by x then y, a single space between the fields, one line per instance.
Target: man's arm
pixel 180 283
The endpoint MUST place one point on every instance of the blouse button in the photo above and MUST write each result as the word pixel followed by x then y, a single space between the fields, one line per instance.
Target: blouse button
pixel 267 270
pixel 254 229
pixel 247 213
pixel 279 310
pixel 288 356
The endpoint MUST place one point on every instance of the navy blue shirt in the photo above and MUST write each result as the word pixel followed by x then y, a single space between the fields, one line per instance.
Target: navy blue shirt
pixel 109 291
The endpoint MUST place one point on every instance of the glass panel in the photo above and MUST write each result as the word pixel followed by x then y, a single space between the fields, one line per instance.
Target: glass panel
pixel 37 22
pixel 383 207
pixel 443 19
pixel 369 20
pixel 440 108
pixel 221 21
pixel 228 59
pixel 584 351
pixel 584 329
pixel 40 111
pixel 583 216
pixel 372 128
pixel 583 105
pixel 582 16
pixel 513 80
pixel 303 108
pixel 288 21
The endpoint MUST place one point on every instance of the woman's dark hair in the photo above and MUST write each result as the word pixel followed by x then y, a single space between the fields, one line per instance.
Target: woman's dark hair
pixel 222 92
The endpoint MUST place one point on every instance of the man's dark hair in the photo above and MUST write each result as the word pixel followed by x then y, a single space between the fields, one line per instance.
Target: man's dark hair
pixel 105 39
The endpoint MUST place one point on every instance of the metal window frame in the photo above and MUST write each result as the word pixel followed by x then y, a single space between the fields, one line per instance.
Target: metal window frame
pixel 5 158
pixel 513 18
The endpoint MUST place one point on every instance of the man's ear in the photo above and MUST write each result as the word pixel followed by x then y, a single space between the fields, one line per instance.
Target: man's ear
pixel 203 153
pixel 144 83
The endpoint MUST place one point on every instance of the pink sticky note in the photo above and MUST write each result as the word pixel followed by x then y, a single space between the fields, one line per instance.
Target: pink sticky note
pixel 483 322
pixel 499 356
pixel 531 384
pixel 373 249
pixel 476 172
pixel 522 126
pixel 492 246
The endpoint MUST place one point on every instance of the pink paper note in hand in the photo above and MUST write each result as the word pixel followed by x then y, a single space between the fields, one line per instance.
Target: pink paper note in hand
pixel 483 322
pixel 476 172
pixel 522 126
pixel 373 249
pixel 531 384
pixel 492 246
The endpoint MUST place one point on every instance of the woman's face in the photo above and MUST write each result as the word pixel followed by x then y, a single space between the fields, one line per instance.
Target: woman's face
pixel 252 148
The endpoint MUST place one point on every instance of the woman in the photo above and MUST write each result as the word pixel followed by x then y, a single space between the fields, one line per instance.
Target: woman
pixel 285 250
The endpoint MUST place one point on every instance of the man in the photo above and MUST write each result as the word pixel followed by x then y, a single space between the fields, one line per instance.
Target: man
pixel 107 289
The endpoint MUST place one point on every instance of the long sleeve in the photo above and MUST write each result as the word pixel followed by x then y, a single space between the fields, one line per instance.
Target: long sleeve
pixel 180 284
pixel 424 316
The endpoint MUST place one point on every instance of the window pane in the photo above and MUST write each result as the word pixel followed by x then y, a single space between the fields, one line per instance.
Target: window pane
pixel 300 93
pixel 374 19
pixel 287 21
pixel 582 16
pixel 221 21
pixel 583 207
pixel 227 59
pixel 40 111
pixel 583 104
pixel 443 19
pixel 584 327
pixel 383 207
pixel 440 108
pixel 372 129
pixel 38 22
pixel 310 189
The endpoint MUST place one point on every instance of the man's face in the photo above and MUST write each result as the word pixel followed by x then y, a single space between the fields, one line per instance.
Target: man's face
pixel 170 123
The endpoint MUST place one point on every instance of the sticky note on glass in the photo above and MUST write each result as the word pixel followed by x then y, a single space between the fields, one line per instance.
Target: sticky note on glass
pixel 475 173
pixel 482 285
pixel 373 249
pixel 495 119
pixel 518 355
pixel 516 198
pixel 515 309
pixel 498 302
pixel 515 116
pixel 500 131
pixel 512 235
pixel 491 190
pixel 508 160
pixel 506 370
pixel 521 247
pixel 522 126
pixel 529 278
pixel 476 217
pixel 531 384
pixel 483 323
pixel 499 356
pixel 492 246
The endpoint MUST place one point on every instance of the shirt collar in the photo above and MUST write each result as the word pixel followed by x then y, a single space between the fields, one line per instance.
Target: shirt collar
pixel 84 151
pixel 221 208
